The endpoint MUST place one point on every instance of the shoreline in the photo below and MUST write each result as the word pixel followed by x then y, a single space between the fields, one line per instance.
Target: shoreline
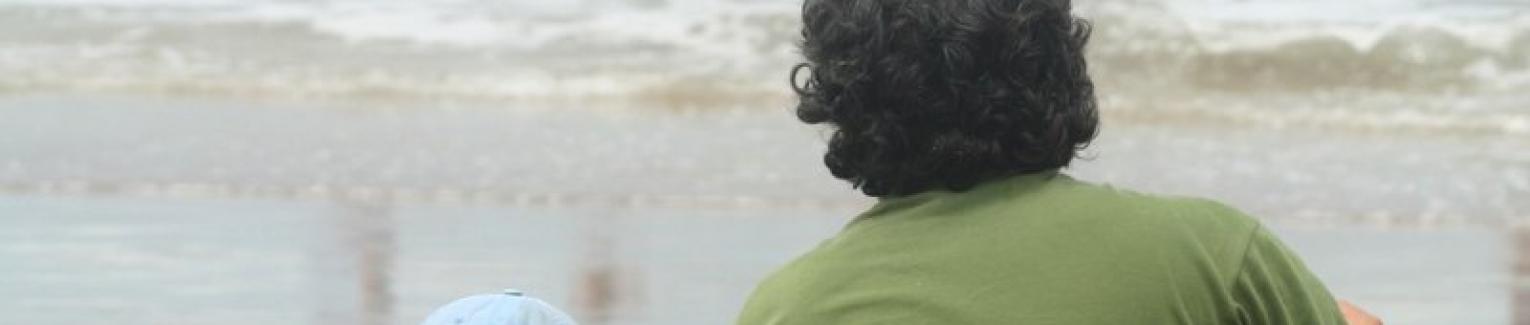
pixel 1114 109
pixel 624 156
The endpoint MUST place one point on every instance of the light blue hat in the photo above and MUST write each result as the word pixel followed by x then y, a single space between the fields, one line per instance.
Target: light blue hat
pixel 510 308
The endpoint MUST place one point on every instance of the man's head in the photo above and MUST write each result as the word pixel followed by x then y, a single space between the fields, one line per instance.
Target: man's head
pixel 944 94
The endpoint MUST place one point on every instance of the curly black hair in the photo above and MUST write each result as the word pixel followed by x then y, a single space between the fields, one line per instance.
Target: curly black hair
pixel 945 94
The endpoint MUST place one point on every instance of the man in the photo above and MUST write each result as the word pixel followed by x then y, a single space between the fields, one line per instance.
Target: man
pixel 958 115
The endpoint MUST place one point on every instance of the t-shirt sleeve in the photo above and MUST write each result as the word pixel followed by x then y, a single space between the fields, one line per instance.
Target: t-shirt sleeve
pixel 1273 287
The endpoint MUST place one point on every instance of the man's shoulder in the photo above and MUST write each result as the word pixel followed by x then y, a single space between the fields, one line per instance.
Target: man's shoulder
pixel 1132 206
pixel 1166 221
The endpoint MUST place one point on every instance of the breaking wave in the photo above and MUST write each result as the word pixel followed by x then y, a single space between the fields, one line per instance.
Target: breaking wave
pixel 1145 54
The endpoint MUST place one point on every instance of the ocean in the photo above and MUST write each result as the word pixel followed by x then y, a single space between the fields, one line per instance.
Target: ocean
pixel 638 162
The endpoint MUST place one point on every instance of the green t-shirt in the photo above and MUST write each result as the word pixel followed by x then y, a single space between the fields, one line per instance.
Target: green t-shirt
pixel 1045 249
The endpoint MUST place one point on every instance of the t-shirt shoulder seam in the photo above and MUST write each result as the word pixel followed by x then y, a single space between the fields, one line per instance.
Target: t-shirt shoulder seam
pixel 1243 255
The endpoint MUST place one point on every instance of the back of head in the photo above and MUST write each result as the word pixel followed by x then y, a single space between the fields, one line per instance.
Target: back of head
pixel 943 95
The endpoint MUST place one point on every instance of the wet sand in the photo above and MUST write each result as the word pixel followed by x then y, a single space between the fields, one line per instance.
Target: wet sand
pixel 170 261
pixel 150 211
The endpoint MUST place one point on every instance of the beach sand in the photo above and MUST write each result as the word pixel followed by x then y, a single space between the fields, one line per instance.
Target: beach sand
pixel 174 261
pixel 183 211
